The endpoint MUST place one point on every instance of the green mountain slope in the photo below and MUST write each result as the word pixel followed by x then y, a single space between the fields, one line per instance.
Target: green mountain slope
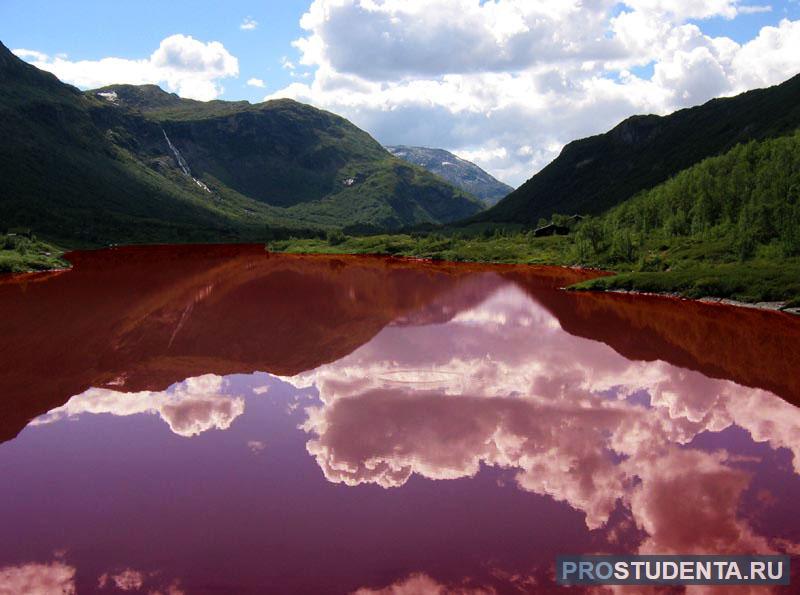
pixel 459 172
pixel 749 196
pixel 593 174
pixel 64 177
pixel 727 226
pixel 136 164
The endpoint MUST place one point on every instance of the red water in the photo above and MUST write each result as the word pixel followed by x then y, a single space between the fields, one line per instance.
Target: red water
pixel 221 420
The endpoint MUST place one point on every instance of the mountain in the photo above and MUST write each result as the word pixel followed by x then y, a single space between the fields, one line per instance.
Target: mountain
pixel 459 172
pixel 137 164
pixel 593 174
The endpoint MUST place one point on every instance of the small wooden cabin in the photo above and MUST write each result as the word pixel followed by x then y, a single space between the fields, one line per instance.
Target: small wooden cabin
pixel 551 229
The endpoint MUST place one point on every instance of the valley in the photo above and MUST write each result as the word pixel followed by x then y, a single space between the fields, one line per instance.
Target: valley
pixel 704 202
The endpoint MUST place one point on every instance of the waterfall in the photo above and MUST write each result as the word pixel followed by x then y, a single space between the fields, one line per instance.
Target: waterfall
pixel 182 163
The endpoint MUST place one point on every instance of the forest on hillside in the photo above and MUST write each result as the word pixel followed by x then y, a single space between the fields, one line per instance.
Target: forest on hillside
pixel 742 204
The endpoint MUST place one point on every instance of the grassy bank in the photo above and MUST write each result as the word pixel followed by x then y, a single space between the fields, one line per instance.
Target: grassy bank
pixel 19 254
pixel 499 247
pixel 691 269
pixel 756 281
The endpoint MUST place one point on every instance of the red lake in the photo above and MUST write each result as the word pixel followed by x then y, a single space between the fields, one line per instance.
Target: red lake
pixel 217 419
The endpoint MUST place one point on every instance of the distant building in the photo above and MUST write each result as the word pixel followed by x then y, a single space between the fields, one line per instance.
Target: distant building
pixel 20 231
pixel 551 229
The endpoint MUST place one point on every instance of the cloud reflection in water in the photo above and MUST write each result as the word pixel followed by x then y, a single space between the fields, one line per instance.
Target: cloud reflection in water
pixel 501 384
pixel 189 408
pixel 38 579
pixel 498 382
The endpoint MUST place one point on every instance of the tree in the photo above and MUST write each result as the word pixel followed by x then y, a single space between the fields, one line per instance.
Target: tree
pixel 591 232
pixel 335 237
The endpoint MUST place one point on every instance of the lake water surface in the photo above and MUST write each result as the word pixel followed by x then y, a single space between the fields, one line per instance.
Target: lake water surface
pixel 217 419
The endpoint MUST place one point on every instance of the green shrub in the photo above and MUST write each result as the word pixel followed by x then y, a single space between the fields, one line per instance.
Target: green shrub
pixel 335 237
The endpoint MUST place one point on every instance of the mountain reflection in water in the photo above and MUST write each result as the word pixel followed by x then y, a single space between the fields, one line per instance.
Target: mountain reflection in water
pixel 217 419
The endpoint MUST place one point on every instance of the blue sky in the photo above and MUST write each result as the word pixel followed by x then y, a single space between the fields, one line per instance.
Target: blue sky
pixel 745 27
pixel 503 83
pixel 94 29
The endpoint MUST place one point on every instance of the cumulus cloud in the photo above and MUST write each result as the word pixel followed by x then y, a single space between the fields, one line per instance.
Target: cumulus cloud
pixel 767 58
pixel 510 82
pixel 192 407
pixel 181 63
pixel 255 82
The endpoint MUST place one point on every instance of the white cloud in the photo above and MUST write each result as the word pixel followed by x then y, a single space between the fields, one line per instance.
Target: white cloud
pixel 691 77
pixel 255 82
pixel 523 77
pixel 680 10
pixel 30 55
pixel 248 24
pixel 181 63
pixel 766 59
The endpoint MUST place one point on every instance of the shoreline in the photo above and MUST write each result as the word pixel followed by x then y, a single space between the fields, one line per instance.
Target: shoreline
pixel 771 306
pixel 779 307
